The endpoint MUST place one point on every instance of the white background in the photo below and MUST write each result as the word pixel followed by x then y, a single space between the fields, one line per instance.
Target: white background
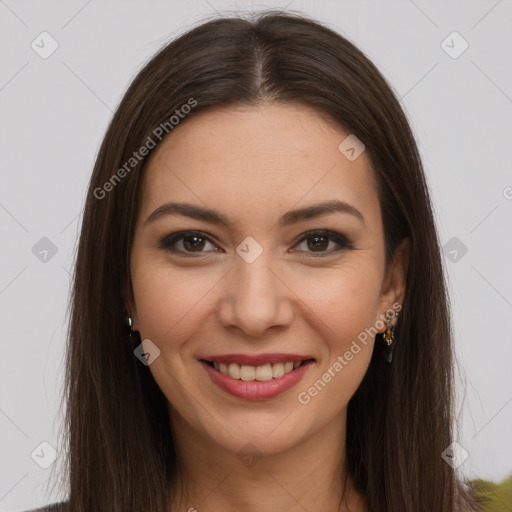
pixel 54 113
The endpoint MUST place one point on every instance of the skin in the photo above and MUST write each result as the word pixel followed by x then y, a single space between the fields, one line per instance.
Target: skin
pixel 253 164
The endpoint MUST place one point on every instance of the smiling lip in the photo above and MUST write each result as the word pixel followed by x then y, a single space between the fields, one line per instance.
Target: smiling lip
pixel 256 360
pixel 254 389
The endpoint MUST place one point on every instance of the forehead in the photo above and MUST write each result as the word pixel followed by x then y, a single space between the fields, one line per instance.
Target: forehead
pixel 257 156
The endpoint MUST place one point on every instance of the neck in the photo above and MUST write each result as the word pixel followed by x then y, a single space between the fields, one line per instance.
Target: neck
pixel 309 476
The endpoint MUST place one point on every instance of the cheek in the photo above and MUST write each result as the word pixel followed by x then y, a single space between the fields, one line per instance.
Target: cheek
pixel 171 306
pixel 170 302
pixel 343 306
pixel 345 298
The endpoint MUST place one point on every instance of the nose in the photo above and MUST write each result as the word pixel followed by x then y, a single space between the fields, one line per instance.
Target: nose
pixel 255 297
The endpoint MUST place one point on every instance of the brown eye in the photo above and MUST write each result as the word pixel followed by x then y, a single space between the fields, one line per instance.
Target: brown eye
pixel 318 242
pixel 193 242
pixel 185 242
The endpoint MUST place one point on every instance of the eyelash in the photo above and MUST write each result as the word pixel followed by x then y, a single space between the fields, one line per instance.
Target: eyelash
pixel 168 242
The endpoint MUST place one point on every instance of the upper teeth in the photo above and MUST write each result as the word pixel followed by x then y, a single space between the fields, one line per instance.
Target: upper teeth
pixel 265 372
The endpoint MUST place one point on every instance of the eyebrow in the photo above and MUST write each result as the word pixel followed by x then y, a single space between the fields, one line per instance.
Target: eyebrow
pixel 291 217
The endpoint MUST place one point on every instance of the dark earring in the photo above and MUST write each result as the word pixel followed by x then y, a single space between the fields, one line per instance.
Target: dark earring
pixel 134 335
pixel 388 337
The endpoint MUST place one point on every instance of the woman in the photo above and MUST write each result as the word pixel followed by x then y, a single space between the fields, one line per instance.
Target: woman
pixel 259 314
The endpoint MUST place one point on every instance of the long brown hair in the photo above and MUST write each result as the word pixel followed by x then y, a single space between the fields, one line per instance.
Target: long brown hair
pixel 120 447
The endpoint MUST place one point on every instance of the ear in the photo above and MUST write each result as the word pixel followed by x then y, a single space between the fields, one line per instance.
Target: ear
pixel 394 283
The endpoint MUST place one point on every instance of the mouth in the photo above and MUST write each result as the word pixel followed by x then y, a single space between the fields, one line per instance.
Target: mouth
pixel 263 372
pixel 260 377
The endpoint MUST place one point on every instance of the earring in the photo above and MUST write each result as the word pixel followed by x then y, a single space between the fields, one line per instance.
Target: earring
pixel 388 336
pixel 134 335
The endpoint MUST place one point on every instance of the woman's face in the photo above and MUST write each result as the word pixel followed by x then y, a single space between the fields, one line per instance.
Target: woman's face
pixel 262 283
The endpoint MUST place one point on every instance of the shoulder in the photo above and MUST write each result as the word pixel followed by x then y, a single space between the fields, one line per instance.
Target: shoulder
pixel 493 497
pixel 54 507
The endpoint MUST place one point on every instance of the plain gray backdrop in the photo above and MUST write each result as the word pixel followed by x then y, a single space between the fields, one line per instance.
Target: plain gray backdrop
pixel 449 62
